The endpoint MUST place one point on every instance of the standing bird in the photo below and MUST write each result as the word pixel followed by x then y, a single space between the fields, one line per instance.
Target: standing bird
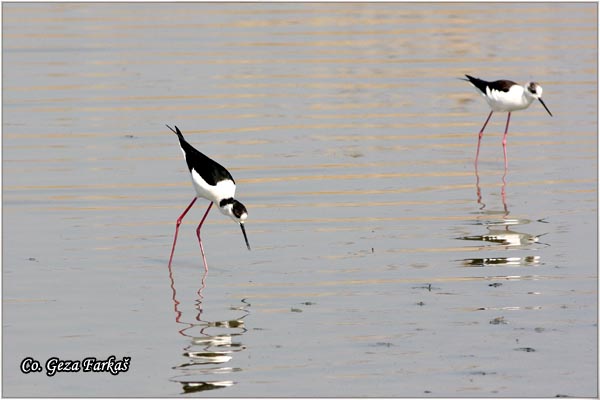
pixel 505 96
pixel 212 182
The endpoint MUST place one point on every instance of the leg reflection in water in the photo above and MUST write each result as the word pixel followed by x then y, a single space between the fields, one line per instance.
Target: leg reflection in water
pixel 499 234
pixel 210 345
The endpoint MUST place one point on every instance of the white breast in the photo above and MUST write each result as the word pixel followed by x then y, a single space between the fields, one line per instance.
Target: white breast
pixel 222 190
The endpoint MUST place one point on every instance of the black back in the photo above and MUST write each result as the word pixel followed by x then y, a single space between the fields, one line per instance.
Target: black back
pixel 210 170
pixel 501 85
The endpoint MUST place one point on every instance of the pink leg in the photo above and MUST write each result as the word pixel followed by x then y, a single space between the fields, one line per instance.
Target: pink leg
pixel 504 142
pixel 177 228
pixel 200 240
pixel 480 136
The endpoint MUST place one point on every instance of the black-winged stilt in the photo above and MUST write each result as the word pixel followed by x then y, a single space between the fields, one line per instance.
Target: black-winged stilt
pixel 212 182
pixel 505 96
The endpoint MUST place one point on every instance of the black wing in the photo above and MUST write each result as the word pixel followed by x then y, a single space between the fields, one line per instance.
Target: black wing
pixel 501 85
pixel 210 170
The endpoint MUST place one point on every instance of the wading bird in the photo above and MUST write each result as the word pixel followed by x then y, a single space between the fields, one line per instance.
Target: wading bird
pixel 505 96
pixel 212 182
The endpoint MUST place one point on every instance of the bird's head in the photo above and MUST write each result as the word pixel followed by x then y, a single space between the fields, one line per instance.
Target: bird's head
pixel 237 211
pixel 533 90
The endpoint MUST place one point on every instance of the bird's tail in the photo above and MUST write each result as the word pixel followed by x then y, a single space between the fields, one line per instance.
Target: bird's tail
pixel 177 132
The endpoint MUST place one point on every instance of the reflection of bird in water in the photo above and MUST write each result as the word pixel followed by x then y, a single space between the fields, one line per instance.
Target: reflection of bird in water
pixel 501 261
pixel 498 229
pixel 212 182
pixel 505 237
pixel 499 232
pixel 206 353
pixel 505 96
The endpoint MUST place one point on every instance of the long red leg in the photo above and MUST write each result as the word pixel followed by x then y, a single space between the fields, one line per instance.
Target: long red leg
pixel 200 240
pixel 480 136
pixel 177 228
pixel 504 142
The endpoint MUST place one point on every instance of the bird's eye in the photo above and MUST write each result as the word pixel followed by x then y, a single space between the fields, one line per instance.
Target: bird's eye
pixel 532 89
pixel 239 209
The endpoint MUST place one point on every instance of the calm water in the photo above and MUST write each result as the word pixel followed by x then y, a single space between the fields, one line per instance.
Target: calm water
pixel 381 264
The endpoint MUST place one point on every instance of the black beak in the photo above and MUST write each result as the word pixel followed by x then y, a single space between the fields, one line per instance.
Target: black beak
pixel 541 101
pixel 245 237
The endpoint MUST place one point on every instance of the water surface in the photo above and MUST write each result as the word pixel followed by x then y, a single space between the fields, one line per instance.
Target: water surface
pixel 382 264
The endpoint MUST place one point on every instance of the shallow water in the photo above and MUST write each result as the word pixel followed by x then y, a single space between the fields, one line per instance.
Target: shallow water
pixel 381 263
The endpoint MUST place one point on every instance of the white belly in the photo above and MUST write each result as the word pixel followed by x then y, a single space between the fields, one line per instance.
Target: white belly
pixel 512 100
